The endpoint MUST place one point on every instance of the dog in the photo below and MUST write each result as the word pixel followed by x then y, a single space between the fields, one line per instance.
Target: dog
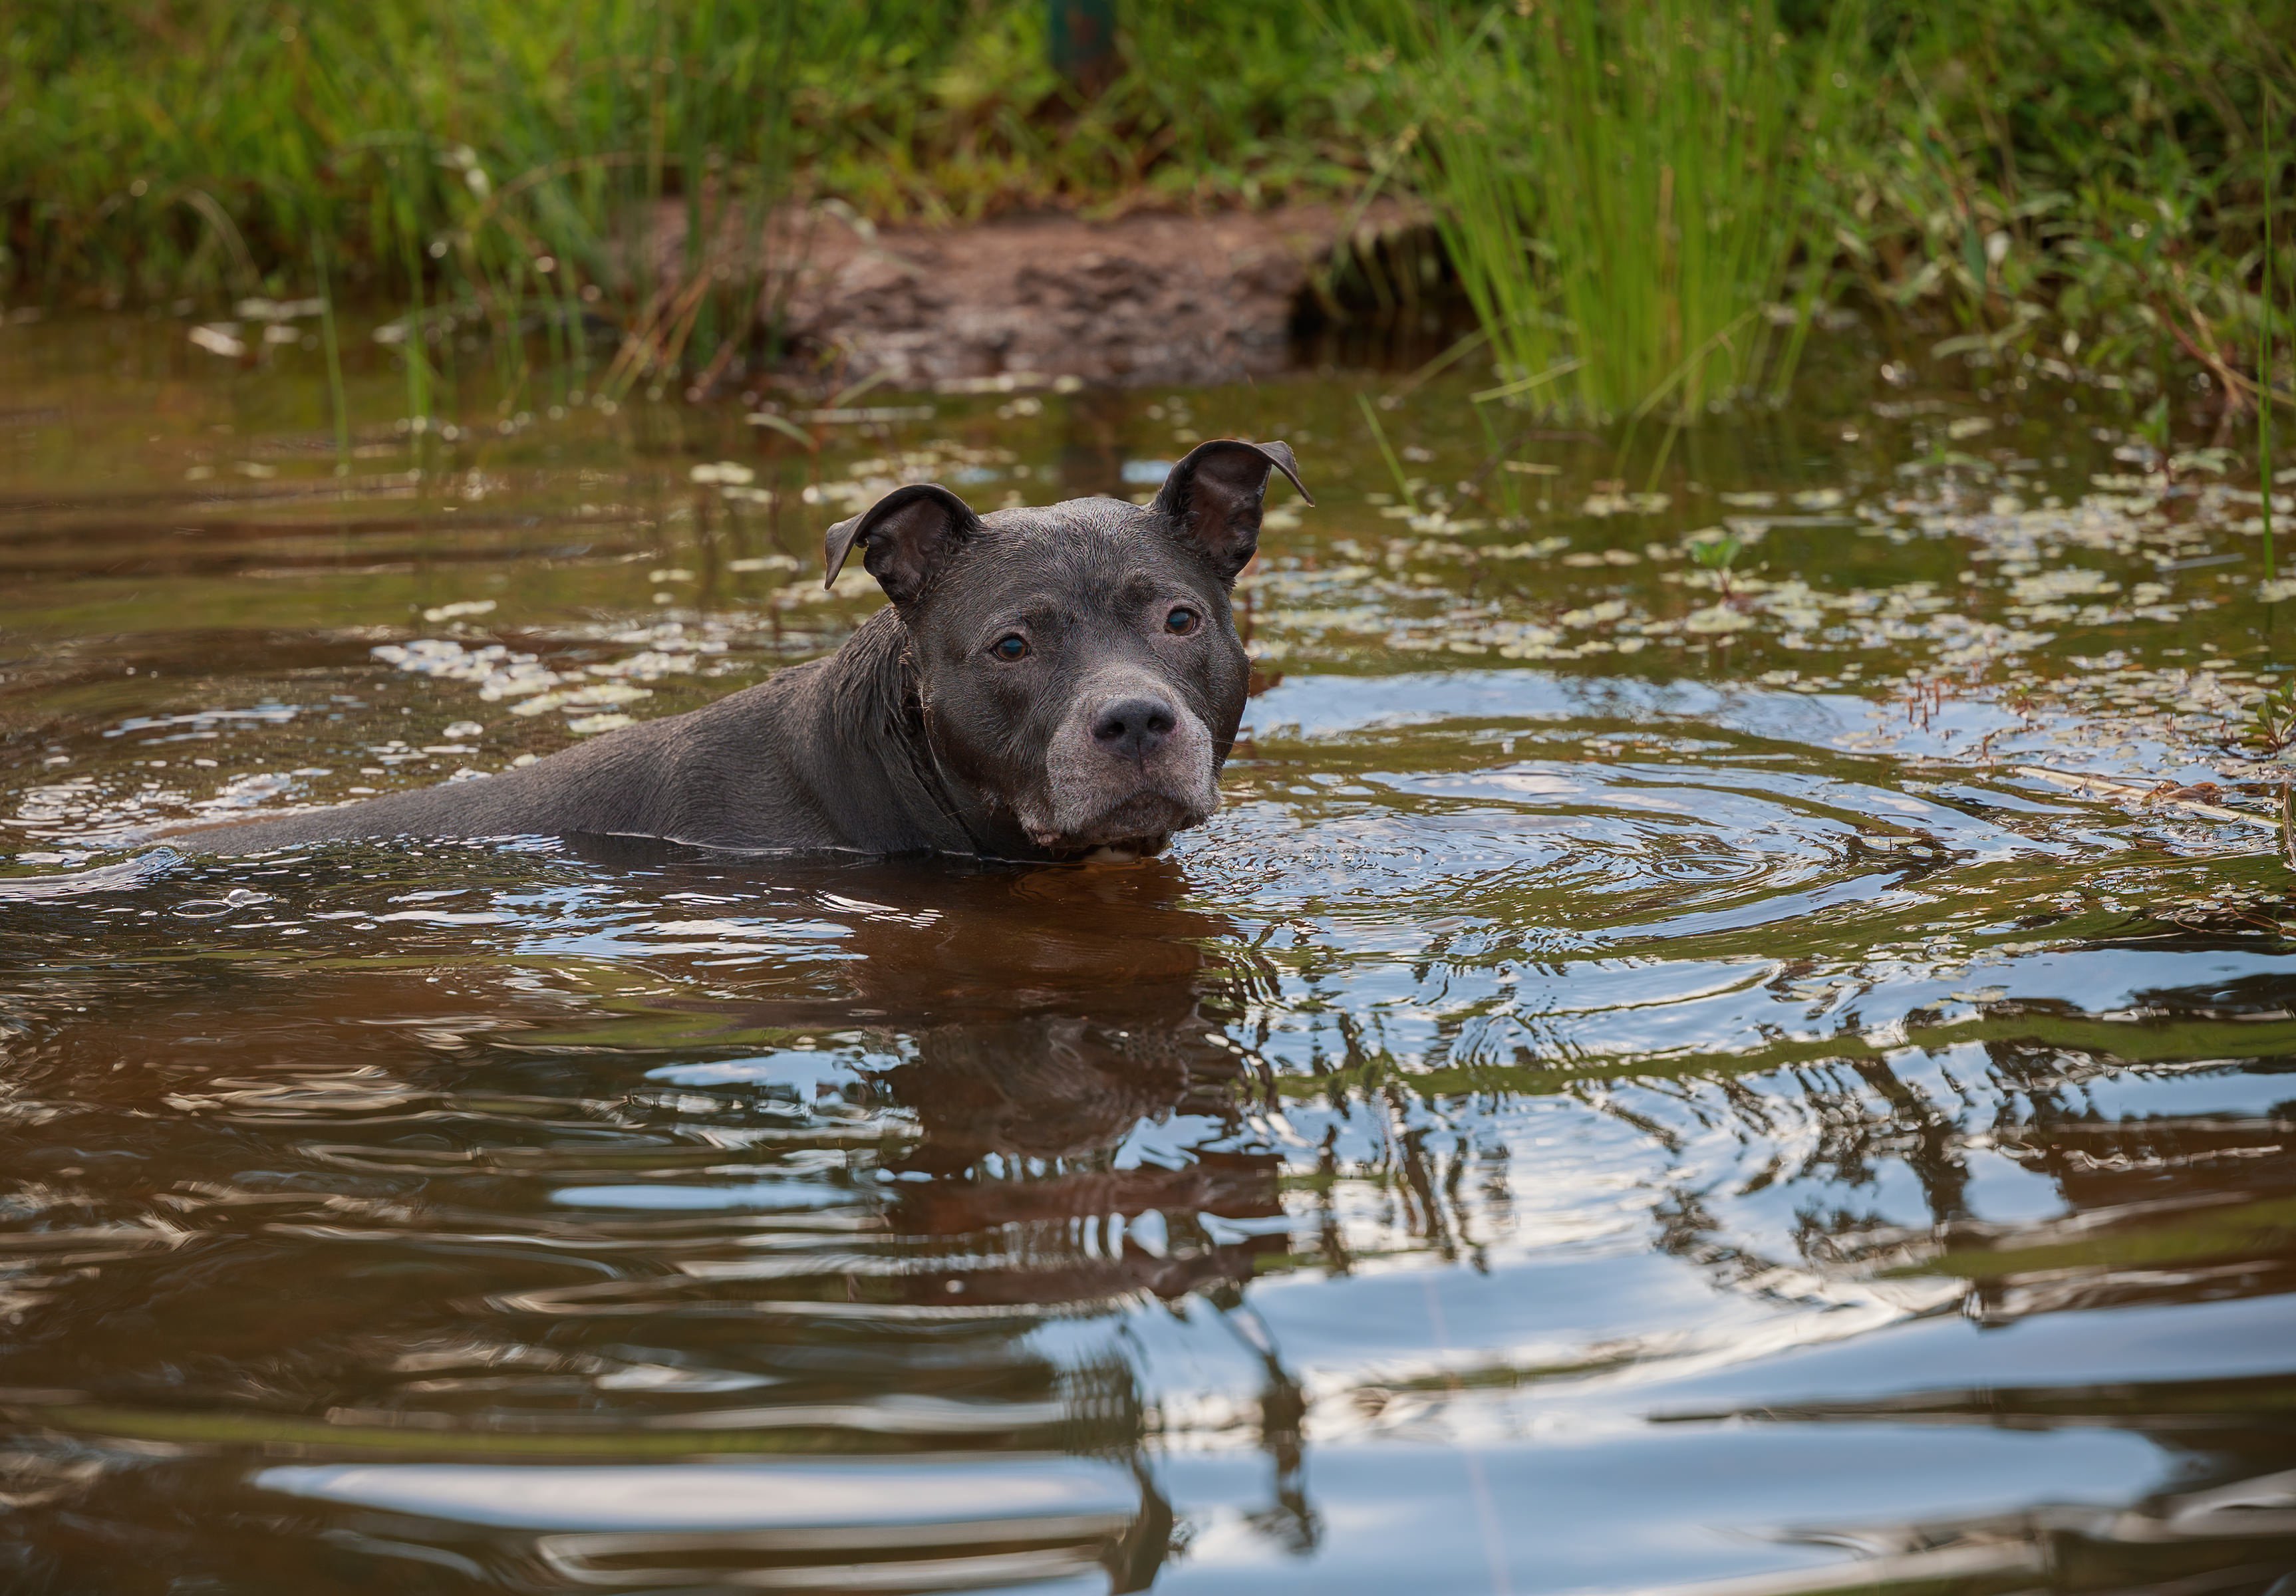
pixel 1046 684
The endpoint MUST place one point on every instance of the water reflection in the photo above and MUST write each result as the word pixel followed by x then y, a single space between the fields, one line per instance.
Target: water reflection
pixel 1634 1122
pixel 938 1523
pixel 1029 1116
pixel 770 1183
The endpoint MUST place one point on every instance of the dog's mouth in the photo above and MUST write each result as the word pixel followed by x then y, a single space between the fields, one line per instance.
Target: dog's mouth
pixel 1130 850
pixel 1134 827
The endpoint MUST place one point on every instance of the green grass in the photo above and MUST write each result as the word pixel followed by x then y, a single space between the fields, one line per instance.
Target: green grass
pixel 2264 353
pixel 2074 180
pixel 515 161
pixel 1628 189
pixel 1622 188
pixel 552 165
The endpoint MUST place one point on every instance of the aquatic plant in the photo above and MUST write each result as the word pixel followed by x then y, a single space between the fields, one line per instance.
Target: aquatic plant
pixel 1622 187
pixel 2264 355
pixel 2272 722
pixel 1386 450
pixel 1718 551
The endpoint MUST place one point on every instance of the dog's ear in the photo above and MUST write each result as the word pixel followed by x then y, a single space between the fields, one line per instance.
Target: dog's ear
pixel 904 537
pixel 1214 496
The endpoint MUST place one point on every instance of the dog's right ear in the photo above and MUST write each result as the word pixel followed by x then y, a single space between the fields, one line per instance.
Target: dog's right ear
pixel 905 538
pixel 1214 498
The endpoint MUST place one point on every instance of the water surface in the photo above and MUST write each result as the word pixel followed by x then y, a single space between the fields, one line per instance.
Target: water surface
pixel 1643 1088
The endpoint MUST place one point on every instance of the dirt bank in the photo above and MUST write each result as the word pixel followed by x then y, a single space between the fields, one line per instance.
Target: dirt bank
pixel 1148 299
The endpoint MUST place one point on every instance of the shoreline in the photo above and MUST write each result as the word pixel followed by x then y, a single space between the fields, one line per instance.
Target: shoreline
pixel 1148 297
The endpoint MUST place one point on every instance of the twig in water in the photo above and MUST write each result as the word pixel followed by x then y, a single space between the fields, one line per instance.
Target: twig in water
pixel 853 390
pixel 1507 390
pixel 2148 797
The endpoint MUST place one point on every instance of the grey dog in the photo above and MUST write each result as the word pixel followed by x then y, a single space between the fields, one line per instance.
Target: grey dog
pixel 1046 684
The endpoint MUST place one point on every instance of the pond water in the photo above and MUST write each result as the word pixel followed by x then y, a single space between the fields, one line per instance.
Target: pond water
pixel 1659 1077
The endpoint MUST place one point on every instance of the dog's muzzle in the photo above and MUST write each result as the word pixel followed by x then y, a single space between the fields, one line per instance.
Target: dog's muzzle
pixel 1129 766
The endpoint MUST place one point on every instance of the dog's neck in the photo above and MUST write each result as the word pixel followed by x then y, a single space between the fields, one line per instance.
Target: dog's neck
pixel 879 735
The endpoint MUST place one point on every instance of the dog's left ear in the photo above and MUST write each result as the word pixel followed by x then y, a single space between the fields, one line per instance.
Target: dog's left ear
pixel 1215 494
pixel 904 537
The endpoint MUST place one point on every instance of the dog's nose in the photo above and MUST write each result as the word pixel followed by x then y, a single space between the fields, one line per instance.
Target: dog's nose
pixel 1134 728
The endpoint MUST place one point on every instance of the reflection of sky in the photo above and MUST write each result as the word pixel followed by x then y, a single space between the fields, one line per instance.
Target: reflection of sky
pixel 1696 1014
pixel 1332 706
pixel 765 1196
pixel 1631 1509
pixel 734 1496
pixel 1607 1019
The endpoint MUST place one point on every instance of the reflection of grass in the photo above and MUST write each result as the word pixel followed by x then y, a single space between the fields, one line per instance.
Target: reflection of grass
pixel 2232 1230
pixel 1509 1377
pixel 2123 1042
pixel 2239 1397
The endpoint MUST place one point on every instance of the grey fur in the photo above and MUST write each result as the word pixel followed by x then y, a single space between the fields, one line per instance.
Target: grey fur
pixel 915 737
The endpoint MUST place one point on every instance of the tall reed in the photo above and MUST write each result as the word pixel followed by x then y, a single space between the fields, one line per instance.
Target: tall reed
pixel 2264 373
pixel 1623 186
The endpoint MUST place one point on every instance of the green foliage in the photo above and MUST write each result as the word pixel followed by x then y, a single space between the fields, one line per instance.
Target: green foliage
pixel 1622 187
pixel 154 147
pixel 2080 181
pixel 957 114
pixel 2271 725
pixel 526 160
pixel 1386 450
pixel 1632 191
pixel 2265 307
pixel 1718 551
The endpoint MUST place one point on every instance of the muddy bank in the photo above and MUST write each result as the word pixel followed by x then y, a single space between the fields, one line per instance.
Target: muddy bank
pixel 1147 299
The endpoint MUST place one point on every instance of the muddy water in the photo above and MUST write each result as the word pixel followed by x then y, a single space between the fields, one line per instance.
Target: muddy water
pixel 1650 1082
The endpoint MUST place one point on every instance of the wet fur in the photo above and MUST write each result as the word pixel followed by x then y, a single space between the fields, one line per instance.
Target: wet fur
pixel 911 738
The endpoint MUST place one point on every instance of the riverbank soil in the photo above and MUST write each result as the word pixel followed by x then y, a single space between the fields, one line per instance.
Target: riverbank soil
pixel 1149 299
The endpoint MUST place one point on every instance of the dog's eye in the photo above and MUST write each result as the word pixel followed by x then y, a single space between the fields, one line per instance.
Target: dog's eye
pixel 1010 646
pixel 1182 621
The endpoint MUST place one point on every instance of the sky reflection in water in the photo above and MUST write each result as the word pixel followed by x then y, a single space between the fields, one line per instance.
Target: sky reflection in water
pixel 1581 1119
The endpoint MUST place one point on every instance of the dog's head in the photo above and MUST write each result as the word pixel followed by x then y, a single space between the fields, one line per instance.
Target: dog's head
pixel 1077 665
